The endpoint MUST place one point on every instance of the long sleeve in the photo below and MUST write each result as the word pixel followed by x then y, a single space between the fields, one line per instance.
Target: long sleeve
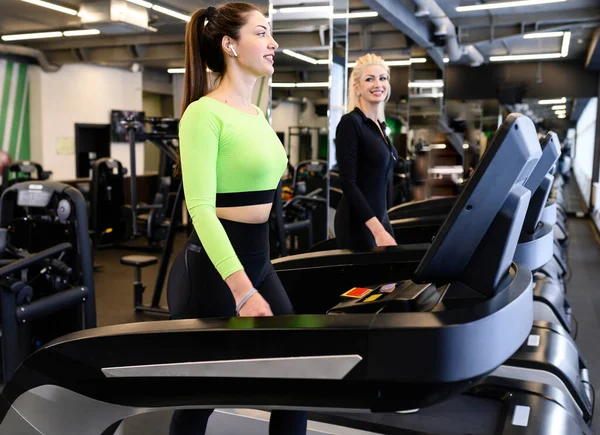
pixel 347 137
pixel 198 146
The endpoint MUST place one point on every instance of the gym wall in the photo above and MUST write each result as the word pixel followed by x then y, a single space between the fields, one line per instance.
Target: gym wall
pixel 78 93
pixel 14 109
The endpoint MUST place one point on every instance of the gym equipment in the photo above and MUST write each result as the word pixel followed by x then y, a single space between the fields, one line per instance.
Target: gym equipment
pixel 344 361
pixel 107 201
pixel 43 297
pixel 164 135
pixel 549 356
pixel 23 170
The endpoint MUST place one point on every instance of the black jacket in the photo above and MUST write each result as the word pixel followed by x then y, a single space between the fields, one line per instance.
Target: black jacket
pixel 366 162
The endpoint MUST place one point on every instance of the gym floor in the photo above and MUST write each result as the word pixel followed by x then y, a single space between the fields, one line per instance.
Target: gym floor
pixel 114 300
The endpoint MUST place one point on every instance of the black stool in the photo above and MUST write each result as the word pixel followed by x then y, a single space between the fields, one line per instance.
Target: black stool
pixel 139 262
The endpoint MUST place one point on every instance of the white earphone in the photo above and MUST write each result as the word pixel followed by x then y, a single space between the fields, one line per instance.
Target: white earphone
pixel 234 53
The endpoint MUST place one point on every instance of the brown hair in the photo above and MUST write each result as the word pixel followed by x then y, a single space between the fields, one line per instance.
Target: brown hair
pixel 203 36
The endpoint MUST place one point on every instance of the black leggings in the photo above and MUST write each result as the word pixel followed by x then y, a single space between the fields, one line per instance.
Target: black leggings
pixel 196 290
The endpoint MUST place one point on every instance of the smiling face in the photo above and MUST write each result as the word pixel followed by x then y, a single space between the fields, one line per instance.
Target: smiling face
pixel 255 47
pixel 373 84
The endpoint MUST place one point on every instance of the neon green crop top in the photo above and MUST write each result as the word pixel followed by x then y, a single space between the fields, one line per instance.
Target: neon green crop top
pixel 228 158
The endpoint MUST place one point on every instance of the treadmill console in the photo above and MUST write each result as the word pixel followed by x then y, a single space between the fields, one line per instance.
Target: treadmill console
pixel 392 297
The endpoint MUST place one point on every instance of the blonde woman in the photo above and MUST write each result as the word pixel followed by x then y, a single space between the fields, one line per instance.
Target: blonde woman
pixel 366 159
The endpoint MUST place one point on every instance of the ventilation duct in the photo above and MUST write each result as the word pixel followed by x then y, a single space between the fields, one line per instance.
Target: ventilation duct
pixel 444 26
pixel 114 16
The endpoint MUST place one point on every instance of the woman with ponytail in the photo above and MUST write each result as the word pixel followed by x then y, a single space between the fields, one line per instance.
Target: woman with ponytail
pixel 231 161
pixel 366 159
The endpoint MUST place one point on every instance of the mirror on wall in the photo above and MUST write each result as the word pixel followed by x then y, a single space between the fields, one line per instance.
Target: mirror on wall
pixel 308 92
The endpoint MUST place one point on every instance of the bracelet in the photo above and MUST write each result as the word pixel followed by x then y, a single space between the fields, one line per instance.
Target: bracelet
pixel 239 306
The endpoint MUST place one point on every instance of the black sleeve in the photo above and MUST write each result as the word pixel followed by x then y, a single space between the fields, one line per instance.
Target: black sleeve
pixel 347 137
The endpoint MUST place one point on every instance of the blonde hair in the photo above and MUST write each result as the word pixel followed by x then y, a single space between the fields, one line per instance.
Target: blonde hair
pixel 363 62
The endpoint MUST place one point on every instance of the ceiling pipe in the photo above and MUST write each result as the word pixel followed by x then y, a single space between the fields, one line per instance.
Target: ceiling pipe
pixel 19 50
pixel 445 27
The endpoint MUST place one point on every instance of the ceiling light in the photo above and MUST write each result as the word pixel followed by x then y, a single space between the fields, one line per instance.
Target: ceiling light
pixel 446 60
pixel 301 85
pixel 560 112
pixel 141 3
pixel 560 107
pixel 313 85
pixel 465 146
pixel 300 56
pixel 24 36
pixel 351 15
pixel 543 35
pixel 525 57
pixel 437 146
pixel 562 116
pixel 562 100
pixel 564 51
pixel 171 13
pixel 305 9
pixel 510 4
pixel 85 32
pixel 403 62
pixel 176 70
pixel 426 84
pixel 52 6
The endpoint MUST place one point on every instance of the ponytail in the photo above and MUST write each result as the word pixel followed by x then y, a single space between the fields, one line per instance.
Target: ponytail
pixel 203 49
pixel 195 80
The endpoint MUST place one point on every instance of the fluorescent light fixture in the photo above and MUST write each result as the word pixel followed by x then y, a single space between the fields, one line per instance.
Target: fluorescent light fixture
pixel 322 61
pixel 465 146
pixel 562 100
pixel 313 85
pixel 24 36
pixel 141 3
pixel 562 116
pixel 305 9
pixel 426 84
pixel 85 32
pixel 171 13
pixel 446 59
pixel 564 50
pixel 560 112
pixel 300 56
pixel 301 85
pixel 437 146
pixel 559 107
pixel 176 70
pixel 350 15
pixel 52 6
pixel 500 5
pixel 283 85
pixel 403 62
pixel 525 57
pixel 543 35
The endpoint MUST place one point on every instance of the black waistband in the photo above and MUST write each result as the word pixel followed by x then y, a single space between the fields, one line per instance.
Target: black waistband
pixel 237 199
pixel 246 239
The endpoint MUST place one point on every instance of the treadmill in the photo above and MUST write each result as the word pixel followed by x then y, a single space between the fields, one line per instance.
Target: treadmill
pixel 549 356
pixel 88 381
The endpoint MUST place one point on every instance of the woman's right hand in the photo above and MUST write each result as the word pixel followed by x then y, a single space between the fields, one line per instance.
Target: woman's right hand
pixel 256 306
pixel 385 239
